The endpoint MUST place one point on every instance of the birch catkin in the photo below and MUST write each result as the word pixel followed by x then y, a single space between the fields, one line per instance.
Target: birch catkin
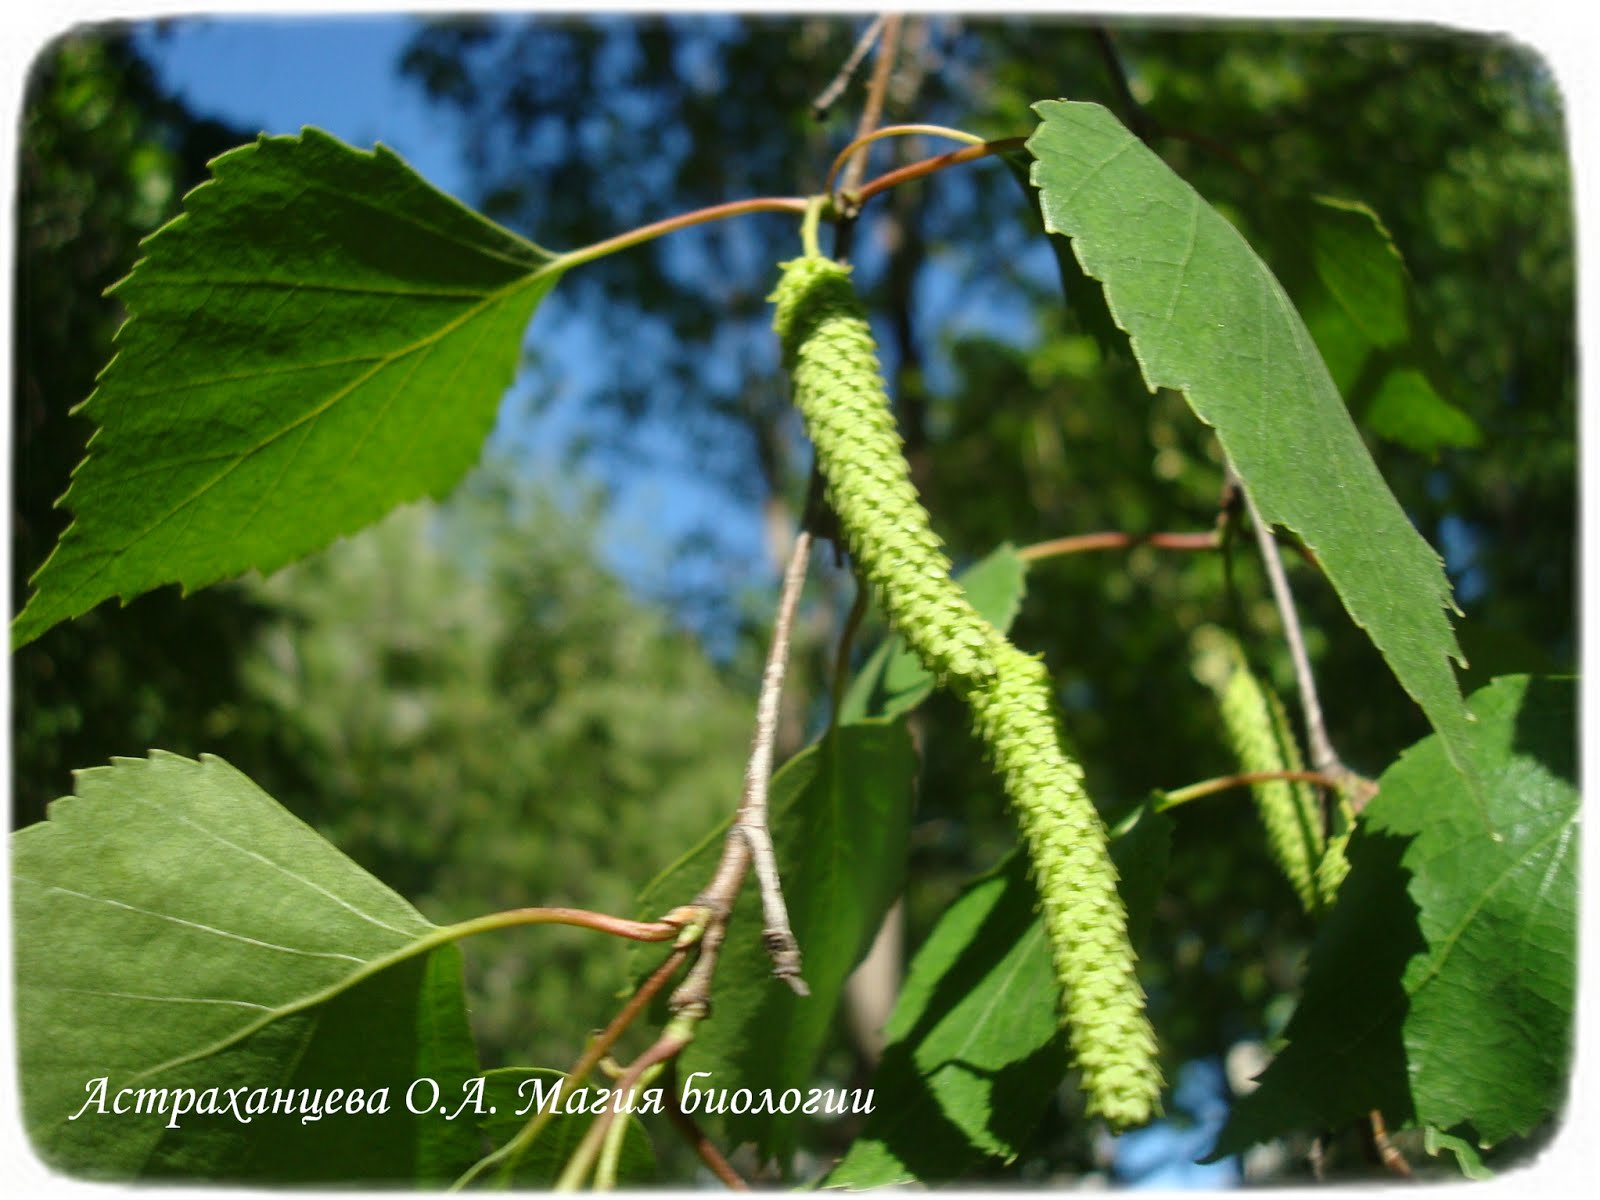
pixel 1258 730
pixel 838 388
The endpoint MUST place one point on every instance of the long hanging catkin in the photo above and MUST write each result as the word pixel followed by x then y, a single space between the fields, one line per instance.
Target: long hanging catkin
pixel 838 387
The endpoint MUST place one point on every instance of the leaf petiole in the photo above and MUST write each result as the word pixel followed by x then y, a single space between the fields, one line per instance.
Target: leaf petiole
pixel 1162 801
pixel 944 131
pixel 647 233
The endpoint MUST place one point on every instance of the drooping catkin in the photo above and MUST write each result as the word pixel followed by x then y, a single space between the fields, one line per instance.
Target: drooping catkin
pixel 838 387
pixel 1262 740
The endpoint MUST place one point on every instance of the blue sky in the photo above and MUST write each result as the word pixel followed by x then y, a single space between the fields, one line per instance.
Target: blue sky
pixel 340 74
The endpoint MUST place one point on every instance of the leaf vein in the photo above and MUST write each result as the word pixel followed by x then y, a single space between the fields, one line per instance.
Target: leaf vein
pixel 203 928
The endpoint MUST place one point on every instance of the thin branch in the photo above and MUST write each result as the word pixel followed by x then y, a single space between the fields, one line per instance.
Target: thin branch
pixel 1208 540
pixel 1222 783
pixel 752 818
pixel 693 995
pixel 1388 1154
pixel 1323 756
pixel 928 166
pixel 825 100
pixel 1145 126
pixel 750 840
pixel 699 1142
pixel 671 1042
pixel 593 1053
pixel 872 106
pixel 1138 119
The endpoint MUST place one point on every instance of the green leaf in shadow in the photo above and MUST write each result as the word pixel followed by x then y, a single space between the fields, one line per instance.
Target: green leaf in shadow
pixel 1350 285
pixel 975 1051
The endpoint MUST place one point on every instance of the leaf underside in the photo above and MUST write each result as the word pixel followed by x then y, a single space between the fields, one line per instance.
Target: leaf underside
pixel 175 927
pixel 1206 317
pixel 318 338
pixel 1441 989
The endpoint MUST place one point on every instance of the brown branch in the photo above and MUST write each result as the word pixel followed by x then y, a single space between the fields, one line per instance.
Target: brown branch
pixel 872 106
pixel 587 1061
pixel 928 166
pixel 825 99
pixel 700 216
pixel 699 1142
pixel 512 918
pixel 1112 540
pixel 1386 1151
pixel 670 1043
pixel 853 148
pixel 871 113
pixel 638 931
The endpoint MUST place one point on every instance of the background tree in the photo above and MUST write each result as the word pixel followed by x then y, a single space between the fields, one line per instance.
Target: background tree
pixel 105 158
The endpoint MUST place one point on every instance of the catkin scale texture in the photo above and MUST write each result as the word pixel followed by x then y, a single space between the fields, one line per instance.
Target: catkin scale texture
pixel 829 350
pixel 1259 732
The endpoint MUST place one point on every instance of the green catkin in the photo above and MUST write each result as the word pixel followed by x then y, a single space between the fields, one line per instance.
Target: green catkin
pixel 1335 865
pixel 1291 813
pixel 838 387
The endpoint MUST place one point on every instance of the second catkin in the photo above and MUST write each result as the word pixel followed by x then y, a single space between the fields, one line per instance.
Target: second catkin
pixel 1259 733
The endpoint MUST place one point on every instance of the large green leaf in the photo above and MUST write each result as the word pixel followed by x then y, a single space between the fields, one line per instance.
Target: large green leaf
pixel 840 814
pixel 1207 318
pixel 975 1051
pixel 1499 913
pixel 176 928
pixel 320 337
pixel 893 682
pixel 1441 989
pixel 1350 284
